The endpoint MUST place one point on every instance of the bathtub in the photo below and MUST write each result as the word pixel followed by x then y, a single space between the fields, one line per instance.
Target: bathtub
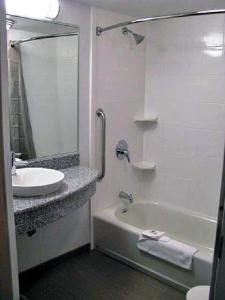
pixel 116 232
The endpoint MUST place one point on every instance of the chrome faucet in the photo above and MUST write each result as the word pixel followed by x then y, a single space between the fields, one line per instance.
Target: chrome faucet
pixel 129 197
pixel 15 164
pixel 126 153
pixel 122 150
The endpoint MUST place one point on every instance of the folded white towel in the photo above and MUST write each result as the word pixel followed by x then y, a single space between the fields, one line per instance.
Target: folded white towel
pixel 167 249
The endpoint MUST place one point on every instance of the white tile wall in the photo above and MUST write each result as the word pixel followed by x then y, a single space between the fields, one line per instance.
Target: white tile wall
pixel 185 86
pixel 119 90
pixel 181 68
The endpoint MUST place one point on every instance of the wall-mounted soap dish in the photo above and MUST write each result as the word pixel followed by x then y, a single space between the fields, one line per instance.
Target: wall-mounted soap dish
pixel 150 117
pixel 145 165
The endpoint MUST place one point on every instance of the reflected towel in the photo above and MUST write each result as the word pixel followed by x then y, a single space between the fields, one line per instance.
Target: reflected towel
pixel 170 250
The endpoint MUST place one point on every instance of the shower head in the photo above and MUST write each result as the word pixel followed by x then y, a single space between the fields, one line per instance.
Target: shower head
pixel 137 37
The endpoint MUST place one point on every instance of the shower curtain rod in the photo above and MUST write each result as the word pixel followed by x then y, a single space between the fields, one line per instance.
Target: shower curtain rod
pixel 41 37
pixel 99 29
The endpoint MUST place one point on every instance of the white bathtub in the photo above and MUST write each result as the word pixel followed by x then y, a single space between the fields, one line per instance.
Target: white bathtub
pixel 116 233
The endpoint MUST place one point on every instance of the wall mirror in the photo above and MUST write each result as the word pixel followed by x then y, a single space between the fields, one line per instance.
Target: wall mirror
pixel 43 87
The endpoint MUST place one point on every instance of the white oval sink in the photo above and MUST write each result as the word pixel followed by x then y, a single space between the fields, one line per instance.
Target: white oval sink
pixel 30 182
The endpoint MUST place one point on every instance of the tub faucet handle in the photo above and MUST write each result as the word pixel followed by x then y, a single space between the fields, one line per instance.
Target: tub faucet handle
pixel 127 154
pixel 122 150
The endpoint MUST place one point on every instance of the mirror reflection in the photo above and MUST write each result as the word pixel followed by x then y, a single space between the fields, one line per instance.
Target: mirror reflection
pixel 43 87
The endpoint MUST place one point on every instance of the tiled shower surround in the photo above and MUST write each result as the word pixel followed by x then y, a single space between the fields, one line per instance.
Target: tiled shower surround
pixel 178 72
pixel 185 77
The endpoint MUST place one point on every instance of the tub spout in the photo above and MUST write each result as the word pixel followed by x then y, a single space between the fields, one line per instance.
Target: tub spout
pixel 129 197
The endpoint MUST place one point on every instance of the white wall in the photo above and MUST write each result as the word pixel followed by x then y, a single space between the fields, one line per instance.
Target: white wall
pixel 119 83
pixel 72 231
pixel 185 77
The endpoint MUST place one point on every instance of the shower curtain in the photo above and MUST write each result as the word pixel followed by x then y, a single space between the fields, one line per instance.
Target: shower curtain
pixel 21 137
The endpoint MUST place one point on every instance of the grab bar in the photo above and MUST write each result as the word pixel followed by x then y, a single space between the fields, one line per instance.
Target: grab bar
pixel 100 113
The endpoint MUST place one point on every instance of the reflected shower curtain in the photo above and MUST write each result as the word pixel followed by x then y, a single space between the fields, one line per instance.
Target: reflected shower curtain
pixel 21 136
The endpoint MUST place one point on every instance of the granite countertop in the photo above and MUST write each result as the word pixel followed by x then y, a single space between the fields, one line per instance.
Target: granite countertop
pixel 78 186
pixel 75 179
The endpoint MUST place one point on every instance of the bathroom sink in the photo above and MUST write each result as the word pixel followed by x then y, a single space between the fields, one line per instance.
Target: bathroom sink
pixel 30 182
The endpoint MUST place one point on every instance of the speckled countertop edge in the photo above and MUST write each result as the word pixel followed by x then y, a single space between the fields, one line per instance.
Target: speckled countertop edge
pixel 76 179
pixel 57 162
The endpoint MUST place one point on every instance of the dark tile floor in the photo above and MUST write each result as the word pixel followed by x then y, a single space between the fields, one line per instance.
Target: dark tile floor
pixel 94 276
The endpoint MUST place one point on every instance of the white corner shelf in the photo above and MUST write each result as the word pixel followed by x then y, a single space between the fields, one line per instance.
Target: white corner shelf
pixel 150 117
pixel 145 165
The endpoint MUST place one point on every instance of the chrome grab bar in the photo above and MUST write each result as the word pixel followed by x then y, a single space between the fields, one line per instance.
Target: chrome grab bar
pixel 100 113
